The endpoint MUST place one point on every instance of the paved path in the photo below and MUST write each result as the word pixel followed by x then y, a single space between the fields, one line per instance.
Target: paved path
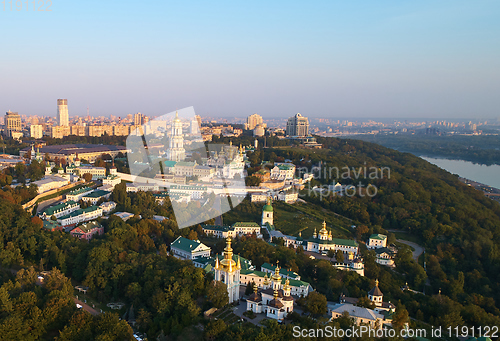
pixel 86 307
pixel 418 249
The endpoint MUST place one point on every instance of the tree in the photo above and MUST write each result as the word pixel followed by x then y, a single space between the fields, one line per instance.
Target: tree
pixel 365 302
pixel 400 318
pixel 249 288
pixel 217 294
pixel 330 253
pixel 315 303
pixel 214 328
pixel 252 181
pixel 339 256
pixel 87 177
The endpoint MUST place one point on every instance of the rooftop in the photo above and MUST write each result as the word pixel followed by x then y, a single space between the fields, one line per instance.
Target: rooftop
pixel 87 227
pixel 96 194
pixel 378 236
pixel 80 148
pixel 59 207
pixel 185 244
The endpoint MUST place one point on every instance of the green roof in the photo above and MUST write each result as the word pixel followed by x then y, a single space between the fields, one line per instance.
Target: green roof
pixel 218 228
pixel 267 208
pixel 59 207
pixel 284 272
pixel 50 224
pixel 80 190
pixel 381 250
pixel 185 244
pixel 80 211
pixel 378 236
pixel 245 224
pixel 97 194
pixel 169 163
pixel 269 226
pixel 293 282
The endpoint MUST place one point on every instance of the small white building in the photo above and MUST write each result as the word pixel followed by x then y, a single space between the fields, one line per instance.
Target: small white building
pixel 376 241
pixel 385 256
pixel 108 206
pixel 95 196
pixel 60 210
pixel 187 249
pixel 96 172
pixel 80 215
pixel 77 194
pixel 50 182
pixel 112 180
pixel 136 187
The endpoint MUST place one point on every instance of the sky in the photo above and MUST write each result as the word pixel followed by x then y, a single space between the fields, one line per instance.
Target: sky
pixel 330 59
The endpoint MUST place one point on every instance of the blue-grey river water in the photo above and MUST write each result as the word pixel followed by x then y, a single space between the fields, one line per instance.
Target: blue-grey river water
pixel 488 175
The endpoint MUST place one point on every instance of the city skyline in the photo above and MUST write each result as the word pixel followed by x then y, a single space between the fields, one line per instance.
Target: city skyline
pixel 326 59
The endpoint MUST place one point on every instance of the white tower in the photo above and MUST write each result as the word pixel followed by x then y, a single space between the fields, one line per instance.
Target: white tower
pixel 228 272
pixel 62 112
pixel 267 213
pixel 176 151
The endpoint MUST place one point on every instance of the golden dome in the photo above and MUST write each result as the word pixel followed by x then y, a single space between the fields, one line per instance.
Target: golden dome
pixel 276 277
pixel 228 264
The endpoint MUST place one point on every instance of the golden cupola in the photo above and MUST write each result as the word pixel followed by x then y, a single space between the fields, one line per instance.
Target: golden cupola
pixel 228 264
pixel 276 276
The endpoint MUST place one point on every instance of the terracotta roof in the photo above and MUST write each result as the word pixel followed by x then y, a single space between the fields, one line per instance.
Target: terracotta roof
pixel 254 298
pixel 275 304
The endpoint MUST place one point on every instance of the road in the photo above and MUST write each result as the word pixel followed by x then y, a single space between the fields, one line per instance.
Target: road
pixel 418 249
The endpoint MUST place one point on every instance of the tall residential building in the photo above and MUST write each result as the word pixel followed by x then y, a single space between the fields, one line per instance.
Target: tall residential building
pixel 12 123
pixel 62 113
pixel 58 132
pixel 36 131
pixel 253 121
pixel 297 125
pixel 138 119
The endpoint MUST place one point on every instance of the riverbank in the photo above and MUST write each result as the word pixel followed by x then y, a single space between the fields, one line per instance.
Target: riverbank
pixel 489 191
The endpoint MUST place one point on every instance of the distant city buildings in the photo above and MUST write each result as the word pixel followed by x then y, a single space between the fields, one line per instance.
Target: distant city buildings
pixel 62 113
pixel 297 125
pixel 36 131
pixel 253 121
pixel 12 125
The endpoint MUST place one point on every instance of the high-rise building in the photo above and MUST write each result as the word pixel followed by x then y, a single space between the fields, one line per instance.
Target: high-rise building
pixel 138 120
pixel 253 121
pixel 198 118
pixel 62 113
pixel 36 131
pixel 12 123
pixel 297 125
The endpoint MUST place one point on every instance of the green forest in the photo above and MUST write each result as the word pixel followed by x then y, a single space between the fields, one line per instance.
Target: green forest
pixel 130 263
pixel 482 149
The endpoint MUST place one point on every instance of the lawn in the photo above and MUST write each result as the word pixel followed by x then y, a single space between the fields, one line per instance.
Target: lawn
pixel 294 218
pixel 300 217
pixel 408 237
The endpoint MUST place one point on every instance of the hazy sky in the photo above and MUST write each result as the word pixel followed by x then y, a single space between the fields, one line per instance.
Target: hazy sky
pixel 276 58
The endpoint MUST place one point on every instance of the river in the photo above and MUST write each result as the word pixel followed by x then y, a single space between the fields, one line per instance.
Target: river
pixel 488 175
